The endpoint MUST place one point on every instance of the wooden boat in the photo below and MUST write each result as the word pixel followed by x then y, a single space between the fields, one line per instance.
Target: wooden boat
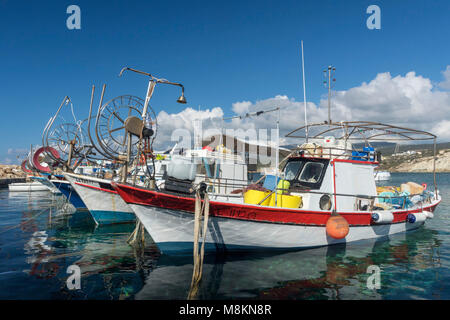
pixel 341 187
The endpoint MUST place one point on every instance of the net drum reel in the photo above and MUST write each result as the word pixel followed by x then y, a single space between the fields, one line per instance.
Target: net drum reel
pixel 64 143
pixel 116 119
pixel 68 140
pixel 126 126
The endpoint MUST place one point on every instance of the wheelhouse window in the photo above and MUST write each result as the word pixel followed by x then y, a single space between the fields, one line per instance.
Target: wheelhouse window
pixel 312 171
pixel 305 173
pixel 291 170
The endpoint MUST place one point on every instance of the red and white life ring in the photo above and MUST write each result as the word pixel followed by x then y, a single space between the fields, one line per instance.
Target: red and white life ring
pixel 35 160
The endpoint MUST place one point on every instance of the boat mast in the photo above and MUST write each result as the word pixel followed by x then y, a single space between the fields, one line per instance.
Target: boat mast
pixel 304 94
pixel 329 72
pixel 277 157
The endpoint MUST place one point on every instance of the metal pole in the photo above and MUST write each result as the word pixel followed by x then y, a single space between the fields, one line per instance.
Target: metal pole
pixel 434 168
pixel 304 94
pixel 127 161
pixel 276 157
pixel 148 96
pixel 69 158
pixel 329 95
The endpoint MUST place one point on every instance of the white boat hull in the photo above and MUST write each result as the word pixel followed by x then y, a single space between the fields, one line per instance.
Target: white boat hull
pixel 27 187
pixel 105 205
pixel 173 232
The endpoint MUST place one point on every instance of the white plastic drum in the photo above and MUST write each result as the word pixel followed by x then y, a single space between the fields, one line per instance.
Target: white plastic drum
pixel 182 168
pixel 382 217
pixel 417 217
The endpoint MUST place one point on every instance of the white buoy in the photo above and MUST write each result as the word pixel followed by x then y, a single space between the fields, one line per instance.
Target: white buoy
pixel 382 217
pixel 417 217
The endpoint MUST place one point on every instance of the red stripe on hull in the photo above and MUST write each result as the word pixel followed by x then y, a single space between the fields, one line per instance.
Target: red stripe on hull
pixel 146 197
pixel 96 188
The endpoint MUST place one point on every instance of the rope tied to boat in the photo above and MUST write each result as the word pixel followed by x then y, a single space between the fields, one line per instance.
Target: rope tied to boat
pixel 201 212
pixel 137 237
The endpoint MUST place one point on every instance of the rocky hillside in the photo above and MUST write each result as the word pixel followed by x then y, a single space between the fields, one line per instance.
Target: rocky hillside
pixel 419 162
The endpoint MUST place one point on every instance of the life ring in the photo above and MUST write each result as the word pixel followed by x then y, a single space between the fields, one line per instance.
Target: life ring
pixel 424 185
pixel 35 160
pixel 25 167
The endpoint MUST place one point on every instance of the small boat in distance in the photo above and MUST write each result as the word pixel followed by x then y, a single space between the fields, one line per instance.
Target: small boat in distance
pixel 27 186
pixel 382 175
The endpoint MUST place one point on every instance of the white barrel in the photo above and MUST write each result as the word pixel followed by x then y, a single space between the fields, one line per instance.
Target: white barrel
pixel 182 168
pixel 382 217
pixel 417 217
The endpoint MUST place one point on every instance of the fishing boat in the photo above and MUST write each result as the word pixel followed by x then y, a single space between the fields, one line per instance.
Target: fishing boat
pixel 382 175
pixel 69 192
pixel 327 196
pixel 102 201
pixel 27 186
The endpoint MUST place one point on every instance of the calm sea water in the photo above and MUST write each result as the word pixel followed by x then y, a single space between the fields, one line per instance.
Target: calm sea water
pixel 39 241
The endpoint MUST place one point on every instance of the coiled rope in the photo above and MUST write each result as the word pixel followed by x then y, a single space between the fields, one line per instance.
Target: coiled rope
pixel 201 211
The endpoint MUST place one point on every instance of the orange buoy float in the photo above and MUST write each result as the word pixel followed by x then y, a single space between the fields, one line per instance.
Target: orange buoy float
pixel 337 227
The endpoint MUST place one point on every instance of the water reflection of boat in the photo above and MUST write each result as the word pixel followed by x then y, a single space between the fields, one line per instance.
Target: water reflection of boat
pixel 106 249
pixel 332 272
pixel 110 268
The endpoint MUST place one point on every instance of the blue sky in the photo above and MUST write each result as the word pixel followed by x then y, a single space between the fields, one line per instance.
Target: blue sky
pixel 223 52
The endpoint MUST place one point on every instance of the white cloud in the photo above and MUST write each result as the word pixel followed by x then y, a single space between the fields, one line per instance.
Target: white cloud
pixel 409 101
pixel 241 107
pixel 168 123
pixel 406 100
pixel 446 83
pixel 12 151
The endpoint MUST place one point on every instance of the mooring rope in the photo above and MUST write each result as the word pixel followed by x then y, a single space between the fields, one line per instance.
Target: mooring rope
pixel 133 240
pixel 201 209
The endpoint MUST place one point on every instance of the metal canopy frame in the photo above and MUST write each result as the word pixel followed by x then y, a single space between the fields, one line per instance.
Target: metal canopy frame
pixel 375 131
pixel 380 131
